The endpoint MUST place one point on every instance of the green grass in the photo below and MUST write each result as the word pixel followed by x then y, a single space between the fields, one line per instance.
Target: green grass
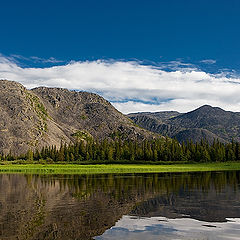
pixel 115 168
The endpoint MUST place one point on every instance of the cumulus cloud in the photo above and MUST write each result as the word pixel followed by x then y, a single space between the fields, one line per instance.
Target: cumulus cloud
pixel 132 86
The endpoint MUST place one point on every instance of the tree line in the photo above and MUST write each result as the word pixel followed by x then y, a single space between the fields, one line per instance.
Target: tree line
pixel 157 150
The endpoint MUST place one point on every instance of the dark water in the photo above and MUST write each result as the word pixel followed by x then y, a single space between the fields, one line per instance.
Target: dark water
pixel 133 206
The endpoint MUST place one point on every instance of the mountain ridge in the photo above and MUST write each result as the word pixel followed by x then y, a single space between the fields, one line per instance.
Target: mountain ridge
pixel 204 122
pixel 31 119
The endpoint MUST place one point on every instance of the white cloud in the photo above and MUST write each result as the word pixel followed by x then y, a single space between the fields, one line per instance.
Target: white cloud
pixel 33 59
pixel 44 60
pixel 132 86
pixel 208 61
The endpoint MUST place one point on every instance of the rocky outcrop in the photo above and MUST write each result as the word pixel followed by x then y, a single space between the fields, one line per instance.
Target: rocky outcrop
pixel 31 119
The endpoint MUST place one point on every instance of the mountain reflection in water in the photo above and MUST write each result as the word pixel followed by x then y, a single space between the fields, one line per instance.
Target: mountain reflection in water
pixel 132 206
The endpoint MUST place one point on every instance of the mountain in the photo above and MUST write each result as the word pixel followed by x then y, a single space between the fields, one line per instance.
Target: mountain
pixel 48 116
pixel 205 122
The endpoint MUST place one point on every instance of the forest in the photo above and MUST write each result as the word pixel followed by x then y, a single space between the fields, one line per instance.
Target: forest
pixel 130 151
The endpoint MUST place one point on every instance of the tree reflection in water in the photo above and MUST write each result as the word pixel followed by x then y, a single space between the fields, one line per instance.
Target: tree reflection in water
pixel 84 206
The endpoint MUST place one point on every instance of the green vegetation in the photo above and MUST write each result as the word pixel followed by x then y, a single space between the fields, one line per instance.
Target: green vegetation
pixel 37 105
pixel 158 151
pixel 41 111
pixel 82 135
pixel 115 168
pixel 83 117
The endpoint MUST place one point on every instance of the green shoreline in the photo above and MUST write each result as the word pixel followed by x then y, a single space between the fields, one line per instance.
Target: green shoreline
pixel 116 168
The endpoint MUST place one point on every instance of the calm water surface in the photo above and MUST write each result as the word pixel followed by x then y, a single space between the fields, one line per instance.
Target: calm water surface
pixel 133 206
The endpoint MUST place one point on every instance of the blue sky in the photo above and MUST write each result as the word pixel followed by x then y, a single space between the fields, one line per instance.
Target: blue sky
pixel 153 30
pixel 172 35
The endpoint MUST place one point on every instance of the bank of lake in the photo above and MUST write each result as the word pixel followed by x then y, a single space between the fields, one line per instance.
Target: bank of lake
pixel 115 168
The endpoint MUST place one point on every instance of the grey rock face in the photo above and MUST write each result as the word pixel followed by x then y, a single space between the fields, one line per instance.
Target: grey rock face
pixel 205 122
pixel 43 116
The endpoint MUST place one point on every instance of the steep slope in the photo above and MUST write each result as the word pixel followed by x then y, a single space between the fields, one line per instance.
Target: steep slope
pixel 205 122
pixel 24 121
pixel 155 122
pixel 80 112
pixel 197 134
pixel 47 116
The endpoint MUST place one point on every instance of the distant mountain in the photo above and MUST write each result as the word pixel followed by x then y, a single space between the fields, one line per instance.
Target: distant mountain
pixel 48 116
pixel 205 122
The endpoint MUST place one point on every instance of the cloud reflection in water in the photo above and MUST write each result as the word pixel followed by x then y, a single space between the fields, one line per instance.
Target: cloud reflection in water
pixel 155 228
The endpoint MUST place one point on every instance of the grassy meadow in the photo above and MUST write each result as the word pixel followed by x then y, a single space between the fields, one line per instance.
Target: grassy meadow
pixel 115 168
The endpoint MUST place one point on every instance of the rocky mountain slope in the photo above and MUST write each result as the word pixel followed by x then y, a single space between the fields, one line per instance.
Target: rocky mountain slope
pixel 46 116
pixel 205 122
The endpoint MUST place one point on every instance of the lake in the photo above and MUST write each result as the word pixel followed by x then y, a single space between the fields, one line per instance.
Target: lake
pixel 204 205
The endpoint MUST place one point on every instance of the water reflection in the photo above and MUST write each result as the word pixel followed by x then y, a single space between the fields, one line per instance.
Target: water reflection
pixel 165 229
pixel 87 206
